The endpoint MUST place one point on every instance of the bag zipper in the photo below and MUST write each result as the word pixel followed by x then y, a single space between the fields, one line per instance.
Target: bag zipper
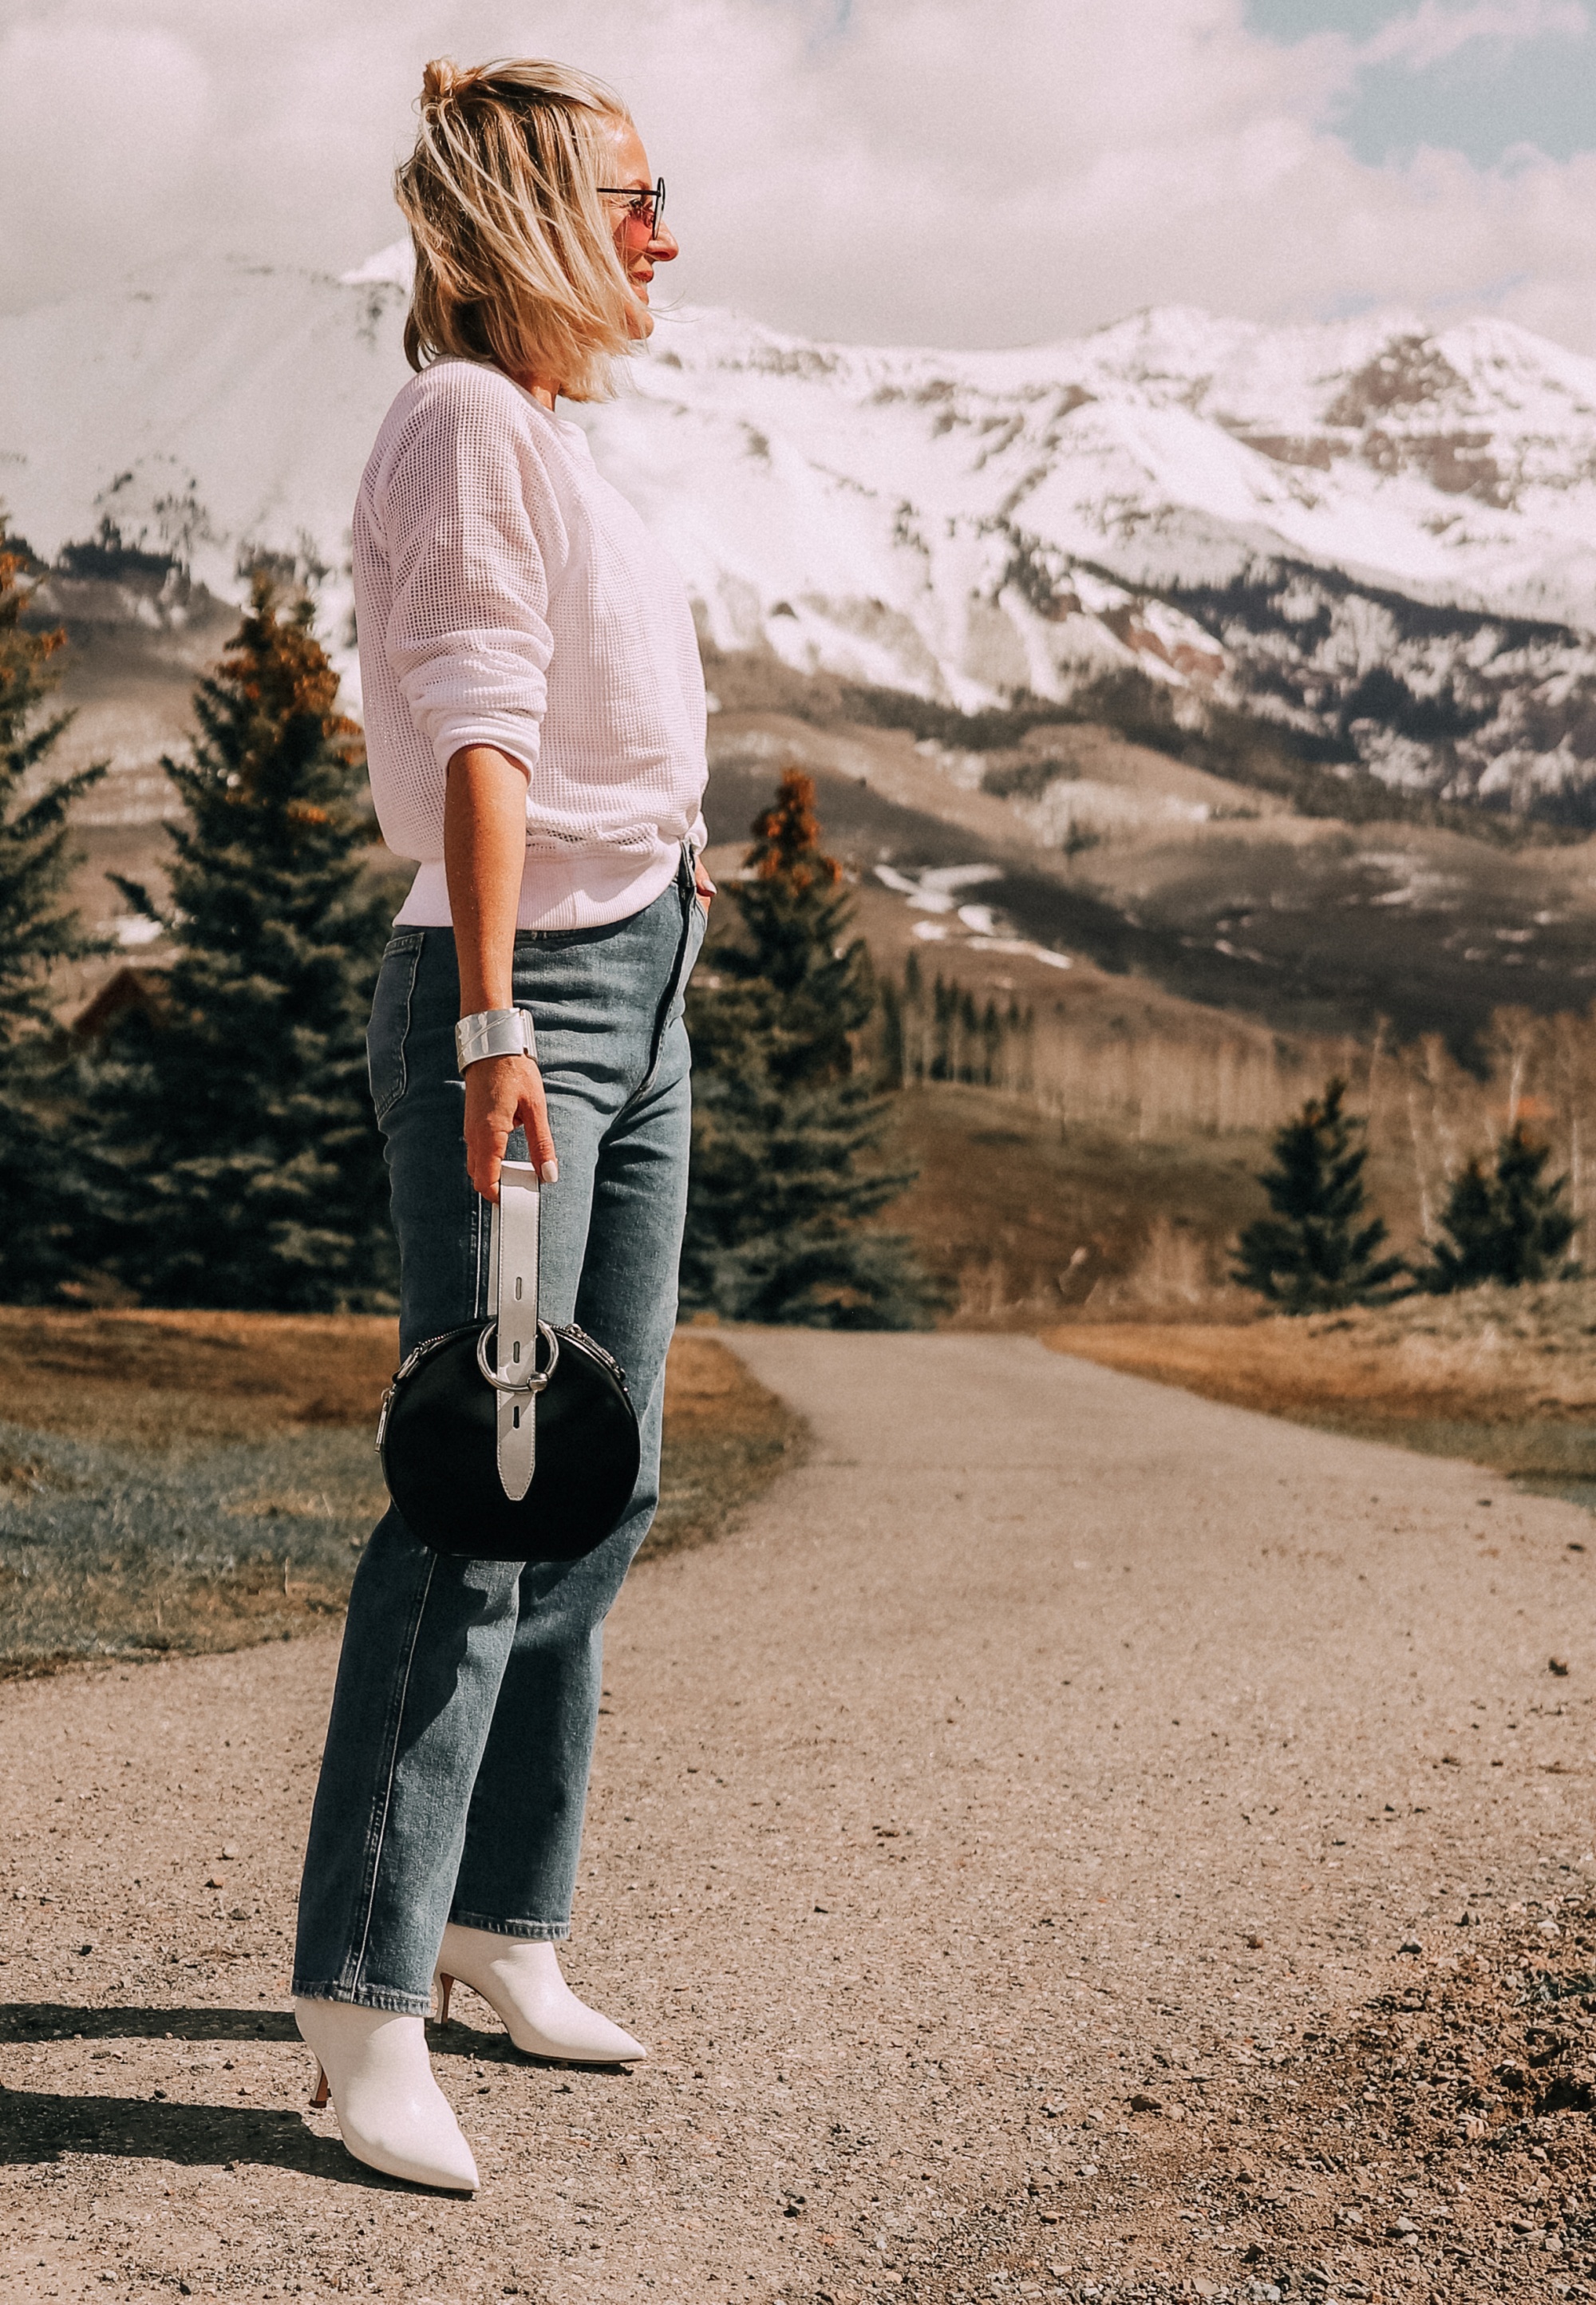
pixel 570 1335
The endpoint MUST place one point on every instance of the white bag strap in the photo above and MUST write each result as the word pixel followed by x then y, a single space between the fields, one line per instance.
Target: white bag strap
pixel 513 1306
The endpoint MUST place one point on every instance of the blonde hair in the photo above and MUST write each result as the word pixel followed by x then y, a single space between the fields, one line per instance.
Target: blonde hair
pixel 515 255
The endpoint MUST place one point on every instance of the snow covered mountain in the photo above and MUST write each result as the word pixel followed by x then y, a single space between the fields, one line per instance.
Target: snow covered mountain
pixel 1380 537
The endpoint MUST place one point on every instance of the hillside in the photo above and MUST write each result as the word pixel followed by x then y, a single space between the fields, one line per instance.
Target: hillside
pixel 1378 539
pixel 1005 868
pixel 1135 866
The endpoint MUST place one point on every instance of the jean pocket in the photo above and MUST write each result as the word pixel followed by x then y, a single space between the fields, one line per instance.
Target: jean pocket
pixel 698 929
pixel 694 930
pixel 389 1029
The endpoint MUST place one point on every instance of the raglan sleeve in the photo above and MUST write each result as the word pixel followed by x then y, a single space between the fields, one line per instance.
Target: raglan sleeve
pixel 468 637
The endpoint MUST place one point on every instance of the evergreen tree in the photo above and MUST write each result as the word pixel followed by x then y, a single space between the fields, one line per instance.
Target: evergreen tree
pixel 796 915
pixel 237 1161
pixel 777 1195
pixel 1511 1226
pixel 38 929
pixel 1313 1253
pixel 891 1055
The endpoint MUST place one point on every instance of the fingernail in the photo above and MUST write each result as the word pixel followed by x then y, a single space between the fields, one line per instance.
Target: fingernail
pixel 550 1172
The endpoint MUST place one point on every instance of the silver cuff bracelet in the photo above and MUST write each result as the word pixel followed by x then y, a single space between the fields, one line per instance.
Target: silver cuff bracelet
pixel 494 1032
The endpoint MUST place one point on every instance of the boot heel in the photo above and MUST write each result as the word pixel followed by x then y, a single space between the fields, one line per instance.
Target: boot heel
pixel 520 1982
pixel 321 2091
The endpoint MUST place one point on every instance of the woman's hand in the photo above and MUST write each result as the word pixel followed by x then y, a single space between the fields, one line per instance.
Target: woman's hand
pixel 703 883
pixel 502 1094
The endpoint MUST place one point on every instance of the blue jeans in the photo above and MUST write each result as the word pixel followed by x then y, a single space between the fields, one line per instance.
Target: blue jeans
pixel 455 1772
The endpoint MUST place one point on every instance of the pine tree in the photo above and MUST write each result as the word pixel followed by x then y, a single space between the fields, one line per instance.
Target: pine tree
pixel 777 1197
pixel 1312 1253
pixel 1509 1227
pixel 38 930
pixel 796 915
pixel 891 1054
pixel 238 1163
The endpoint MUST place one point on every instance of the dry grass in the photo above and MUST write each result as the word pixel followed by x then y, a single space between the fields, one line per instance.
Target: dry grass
pixel 159 1378
pixel 1029 1219
pixel 1504 1376
pixel 195 1481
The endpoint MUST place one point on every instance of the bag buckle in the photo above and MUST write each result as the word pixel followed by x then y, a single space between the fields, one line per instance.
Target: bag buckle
pixel 535 1379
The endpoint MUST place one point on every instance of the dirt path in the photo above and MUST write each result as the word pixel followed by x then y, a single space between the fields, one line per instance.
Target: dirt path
pixel 1006 1841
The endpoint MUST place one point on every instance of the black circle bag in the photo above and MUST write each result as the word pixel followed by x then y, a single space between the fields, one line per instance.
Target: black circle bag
pixel 508 1440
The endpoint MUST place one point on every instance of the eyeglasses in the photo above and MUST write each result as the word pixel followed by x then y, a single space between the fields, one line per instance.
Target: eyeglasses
pixel 643 207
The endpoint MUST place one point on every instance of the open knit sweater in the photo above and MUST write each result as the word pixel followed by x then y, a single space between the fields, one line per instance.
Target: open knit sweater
pixel 506 595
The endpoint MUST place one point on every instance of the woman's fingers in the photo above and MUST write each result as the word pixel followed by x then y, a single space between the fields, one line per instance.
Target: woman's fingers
pixel 487 1126
pixel 532 1115
pixel 502 1094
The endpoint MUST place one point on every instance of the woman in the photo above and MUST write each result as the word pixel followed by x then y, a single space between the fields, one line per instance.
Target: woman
pixel 535 723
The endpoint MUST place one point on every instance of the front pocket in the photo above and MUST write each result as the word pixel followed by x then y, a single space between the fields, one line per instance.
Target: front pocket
pixel 389 1029
pixel 698 929
pixel 673 1005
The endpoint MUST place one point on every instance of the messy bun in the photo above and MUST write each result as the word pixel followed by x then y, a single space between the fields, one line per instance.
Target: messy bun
pixel 515 255
pixel 439 81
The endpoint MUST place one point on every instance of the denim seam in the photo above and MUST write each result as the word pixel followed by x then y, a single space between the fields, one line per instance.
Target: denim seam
pixel 481 1237
pixel 397 2004
pixel 528 1931
pixel 387 1790
pixel 402 1066
pixel 663 1017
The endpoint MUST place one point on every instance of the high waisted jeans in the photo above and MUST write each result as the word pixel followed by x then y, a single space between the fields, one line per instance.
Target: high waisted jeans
pixel 455 1772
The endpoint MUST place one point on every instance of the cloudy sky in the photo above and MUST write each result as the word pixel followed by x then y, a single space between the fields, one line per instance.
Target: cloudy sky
pixel 953 171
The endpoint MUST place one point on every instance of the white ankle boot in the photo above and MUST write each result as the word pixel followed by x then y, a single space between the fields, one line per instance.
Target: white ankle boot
pixel 390 2112
pixel 520 1980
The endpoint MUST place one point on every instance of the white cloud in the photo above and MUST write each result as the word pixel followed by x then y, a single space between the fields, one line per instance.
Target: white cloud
pixel 1432 33
pixel 105 127
pixel 920 170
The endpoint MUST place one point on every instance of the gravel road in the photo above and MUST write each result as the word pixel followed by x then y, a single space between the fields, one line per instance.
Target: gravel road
pixel 1007 1841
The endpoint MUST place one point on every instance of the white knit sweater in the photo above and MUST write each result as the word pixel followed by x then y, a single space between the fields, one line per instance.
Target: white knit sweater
pixel 506 595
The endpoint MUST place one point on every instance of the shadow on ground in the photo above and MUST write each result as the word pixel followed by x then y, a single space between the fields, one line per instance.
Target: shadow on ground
pixel 38 2127
pixel 67 2020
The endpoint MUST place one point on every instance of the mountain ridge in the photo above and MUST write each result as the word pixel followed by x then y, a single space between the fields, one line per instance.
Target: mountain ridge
pixel 1377 537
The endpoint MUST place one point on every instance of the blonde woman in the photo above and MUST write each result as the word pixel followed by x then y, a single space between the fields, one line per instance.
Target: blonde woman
pixel 535 723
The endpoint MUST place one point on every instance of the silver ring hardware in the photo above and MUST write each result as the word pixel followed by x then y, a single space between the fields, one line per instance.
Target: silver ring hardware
pixel 535 1379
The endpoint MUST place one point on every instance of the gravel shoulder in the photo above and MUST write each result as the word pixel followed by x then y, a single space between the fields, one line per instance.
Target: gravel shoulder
pixel 1504 1377
pixel 1007 1839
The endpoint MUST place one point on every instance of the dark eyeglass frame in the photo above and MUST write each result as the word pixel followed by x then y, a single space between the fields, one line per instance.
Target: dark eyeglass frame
pixel 647 205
